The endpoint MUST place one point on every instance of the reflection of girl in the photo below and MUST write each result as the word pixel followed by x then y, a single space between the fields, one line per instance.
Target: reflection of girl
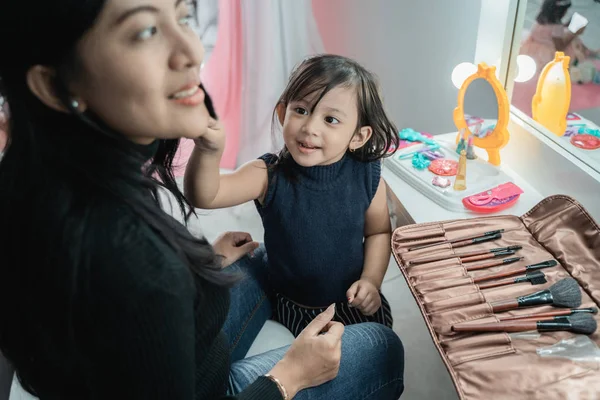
pixel 549 35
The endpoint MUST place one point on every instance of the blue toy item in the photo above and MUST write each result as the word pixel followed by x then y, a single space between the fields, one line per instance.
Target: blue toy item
pixel 590 131
pixel 419 161
pixel 413 136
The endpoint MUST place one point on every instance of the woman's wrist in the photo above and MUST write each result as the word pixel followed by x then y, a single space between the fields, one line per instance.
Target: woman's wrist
pixel 285 376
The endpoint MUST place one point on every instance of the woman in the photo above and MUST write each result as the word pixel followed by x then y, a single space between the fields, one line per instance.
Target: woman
pixel 549 35
pixel 102 294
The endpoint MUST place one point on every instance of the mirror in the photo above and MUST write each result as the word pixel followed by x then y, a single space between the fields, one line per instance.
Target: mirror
pixel 481 104
pixel 482 111
pixel 570 28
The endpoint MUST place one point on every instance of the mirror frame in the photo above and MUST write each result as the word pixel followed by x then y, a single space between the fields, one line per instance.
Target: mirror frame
pixel 499 136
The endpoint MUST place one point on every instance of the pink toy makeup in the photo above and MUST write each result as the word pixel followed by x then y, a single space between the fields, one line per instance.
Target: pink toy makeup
pixel 497 199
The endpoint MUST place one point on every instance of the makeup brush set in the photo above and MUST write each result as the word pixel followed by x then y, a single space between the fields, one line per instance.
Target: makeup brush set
pixel 477 281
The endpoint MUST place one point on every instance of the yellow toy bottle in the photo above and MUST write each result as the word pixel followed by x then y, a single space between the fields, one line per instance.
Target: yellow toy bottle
pixel 552 99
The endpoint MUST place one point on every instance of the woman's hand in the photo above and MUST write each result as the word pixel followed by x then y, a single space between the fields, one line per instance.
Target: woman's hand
pixel 314 357
pixel 213 140
pixel 233 246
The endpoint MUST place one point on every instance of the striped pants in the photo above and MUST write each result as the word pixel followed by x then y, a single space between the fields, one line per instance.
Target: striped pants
pixel 296 317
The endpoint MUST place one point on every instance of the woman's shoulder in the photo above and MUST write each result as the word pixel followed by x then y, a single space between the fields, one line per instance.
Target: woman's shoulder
pixel 125 248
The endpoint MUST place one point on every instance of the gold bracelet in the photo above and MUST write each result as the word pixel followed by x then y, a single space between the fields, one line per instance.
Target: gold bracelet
pixel 279 386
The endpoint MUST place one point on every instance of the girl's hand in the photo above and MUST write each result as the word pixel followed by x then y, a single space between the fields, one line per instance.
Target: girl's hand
pixel 233 246
pixel 364 295
pixel 213 140
pixel 314 357
pixel 580 31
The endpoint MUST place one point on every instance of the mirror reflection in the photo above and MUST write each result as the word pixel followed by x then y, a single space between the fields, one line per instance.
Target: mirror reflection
pixel 480 106
pixel 571 27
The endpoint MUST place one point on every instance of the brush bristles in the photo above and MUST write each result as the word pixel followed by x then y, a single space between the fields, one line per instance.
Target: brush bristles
pixel 583 323
pixel 566 293
pixel 538 280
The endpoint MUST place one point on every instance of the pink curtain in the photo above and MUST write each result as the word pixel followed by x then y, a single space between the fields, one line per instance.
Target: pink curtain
pixel 222 77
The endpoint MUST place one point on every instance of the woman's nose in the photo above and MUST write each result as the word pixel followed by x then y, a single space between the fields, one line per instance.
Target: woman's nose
pixel 188 53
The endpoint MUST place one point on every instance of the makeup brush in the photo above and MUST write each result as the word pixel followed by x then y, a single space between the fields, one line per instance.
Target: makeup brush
pixel 564 293
pixel 535 278
pixel 549 315
pixel 497 234
pixel 511 272
pixel 578 323
pixel 493 254
pixel 493 263
pixel 467 256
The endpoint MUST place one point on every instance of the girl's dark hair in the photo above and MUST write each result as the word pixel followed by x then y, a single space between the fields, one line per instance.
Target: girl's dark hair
pixel 553 11
pixel 56 168
pixel 322 73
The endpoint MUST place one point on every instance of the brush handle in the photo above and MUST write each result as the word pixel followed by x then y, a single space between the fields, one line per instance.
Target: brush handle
pixel 504 305
pixel 422 260
pixel 538 316
pixel 479 257
pixel 489 264
pixel 466 240
pixel 509 326
pixel 502 282
pixel 477 236
pixel 428 242
pixel 498 275
pixel 476 240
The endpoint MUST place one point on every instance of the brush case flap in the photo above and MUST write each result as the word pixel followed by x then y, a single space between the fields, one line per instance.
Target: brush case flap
pixel 496 365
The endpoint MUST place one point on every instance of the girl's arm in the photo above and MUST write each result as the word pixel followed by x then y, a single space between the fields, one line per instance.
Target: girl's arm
pixel 378 233
pixel 364 293
pixel 204 185
pixel 562 41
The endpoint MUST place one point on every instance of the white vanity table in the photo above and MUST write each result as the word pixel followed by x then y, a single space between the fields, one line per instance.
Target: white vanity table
pixel 423 209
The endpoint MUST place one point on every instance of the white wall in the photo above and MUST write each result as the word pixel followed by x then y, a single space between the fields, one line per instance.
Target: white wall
pixel 412 45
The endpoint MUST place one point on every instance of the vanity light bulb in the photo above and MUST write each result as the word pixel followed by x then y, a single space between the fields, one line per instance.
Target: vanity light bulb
pixel 461 72
pixel 526 68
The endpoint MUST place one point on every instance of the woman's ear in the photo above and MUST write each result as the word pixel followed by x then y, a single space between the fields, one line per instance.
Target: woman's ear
pixel 281 112
pixel 41 81
pixel 360 138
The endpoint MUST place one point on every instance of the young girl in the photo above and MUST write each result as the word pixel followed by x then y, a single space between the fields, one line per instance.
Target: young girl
pixel 321 199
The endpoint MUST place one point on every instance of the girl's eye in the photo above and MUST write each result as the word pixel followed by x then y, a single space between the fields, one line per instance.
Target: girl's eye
pixel 301 111
pixel 147 33
pixel 332 120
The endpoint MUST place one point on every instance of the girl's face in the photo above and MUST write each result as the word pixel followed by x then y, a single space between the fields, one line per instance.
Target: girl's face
pixel 323 136
pixel 141 70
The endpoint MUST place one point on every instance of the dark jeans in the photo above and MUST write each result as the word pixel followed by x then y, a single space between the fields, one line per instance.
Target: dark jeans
pixel 372 364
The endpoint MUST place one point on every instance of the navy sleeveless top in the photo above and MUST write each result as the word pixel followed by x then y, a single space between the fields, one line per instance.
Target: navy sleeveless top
pixel 314 227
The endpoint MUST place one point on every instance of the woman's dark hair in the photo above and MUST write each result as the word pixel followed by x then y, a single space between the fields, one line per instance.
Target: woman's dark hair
pixel 322 73
pixel 56 168
pixel 553 11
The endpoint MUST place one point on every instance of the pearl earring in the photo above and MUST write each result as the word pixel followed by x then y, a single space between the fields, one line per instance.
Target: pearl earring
pixel 74 103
